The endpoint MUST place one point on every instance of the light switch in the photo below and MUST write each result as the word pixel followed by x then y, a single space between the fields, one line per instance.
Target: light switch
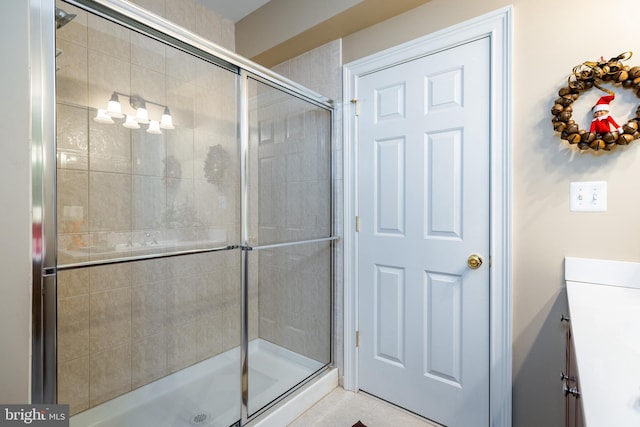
pixel 588 196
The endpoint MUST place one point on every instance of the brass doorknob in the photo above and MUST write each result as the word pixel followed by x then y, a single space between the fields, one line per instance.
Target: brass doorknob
pixel 474 261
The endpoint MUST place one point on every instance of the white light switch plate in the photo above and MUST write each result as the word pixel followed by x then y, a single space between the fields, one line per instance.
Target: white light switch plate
pixel 588 196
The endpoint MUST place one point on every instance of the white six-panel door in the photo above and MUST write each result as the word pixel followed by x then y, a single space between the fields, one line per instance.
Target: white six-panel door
pixel 423 205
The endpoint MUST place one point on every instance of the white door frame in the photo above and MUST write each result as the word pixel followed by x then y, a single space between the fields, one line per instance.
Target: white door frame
pixel 497 26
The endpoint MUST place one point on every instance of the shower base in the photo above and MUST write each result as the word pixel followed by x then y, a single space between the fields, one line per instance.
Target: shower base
pixel 207 393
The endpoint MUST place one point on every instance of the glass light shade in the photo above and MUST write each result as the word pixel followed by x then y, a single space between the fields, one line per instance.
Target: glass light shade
pixel 102 117
pixel 154 127
pixel 131 123
pixel 142 115
pixel 166 122
pixel 114 109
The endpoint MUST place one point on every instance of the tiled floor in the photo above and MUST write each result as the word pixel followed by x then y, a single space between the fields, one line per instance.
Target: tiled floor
pixel 342 408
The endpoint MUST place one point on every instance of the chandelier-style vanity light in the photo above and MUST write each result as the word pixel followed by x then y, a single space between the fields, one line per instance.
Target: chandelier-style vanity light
pixel 114 108
pixel 166 122
pixel 154 127
pixel 103 117
pixel 131 123
pixel 141 116
pixel 140 105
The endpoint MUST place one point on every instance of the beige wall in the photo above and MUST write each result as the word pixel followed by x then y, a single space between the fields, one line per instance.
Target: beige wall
pixel 550 38
pixel 15 217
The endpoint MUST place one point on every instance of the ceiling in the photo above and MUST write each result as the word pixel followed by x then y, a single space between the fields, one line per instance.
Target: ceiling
pixel 283 29
pixel 271 31
pixel 234 10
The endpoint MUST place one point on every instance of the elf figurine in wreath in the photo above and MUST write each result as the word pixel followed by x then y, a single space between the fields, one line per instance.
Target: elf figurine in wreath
pixel 602 121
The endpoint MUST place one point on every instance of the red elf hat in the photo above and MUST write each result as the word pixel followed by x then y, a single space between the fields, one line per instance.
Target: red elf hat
pixel 603 103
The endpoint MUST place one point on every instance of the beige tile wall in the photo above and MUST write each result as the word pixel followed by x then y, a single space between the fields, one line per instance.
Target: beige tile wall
pixel 124 325
pixel 295 299
pixel 297 303
pixel 149 186
pixel 290 150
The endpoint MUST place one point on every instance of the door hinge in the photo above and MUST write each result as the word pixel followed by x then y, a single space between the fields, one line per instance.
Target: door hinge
pixel 357 224
pixel 357 107
pixel 357 338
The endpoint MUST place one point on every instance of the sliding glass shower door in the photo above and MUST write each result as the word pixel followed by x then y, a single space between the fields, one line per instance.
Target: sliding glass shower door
pixel 192 279
pixel 289 236
pixel 148 225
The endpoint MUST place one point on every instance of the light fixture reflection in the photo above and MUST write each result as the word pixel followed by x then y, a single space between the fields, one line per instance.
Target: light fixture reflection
pixel 102 117
pixel 154 127
pixel 114 109
pixel 166 122
pixel 131 123
pixel 142 115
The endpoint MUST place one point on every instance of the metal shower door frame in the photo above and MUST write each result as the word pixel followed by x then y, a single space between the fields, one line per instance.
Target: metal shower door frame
pixel 43 200
pixel 44 253
pixel 245 246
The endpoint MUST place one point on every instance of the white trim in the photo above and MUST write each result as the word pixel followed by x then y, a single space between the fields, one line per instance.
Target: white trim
pixel 497 26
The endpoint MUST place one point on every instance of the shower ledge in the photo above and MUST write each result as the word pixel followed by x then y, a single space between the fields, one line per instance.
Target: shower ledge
pixel 217 239
pixel 162 246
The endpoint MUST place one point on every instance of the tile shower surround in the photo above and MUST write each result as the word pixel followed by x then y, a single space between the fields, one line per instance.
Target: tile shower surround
pixel 290 147
pixel 320 70
pixel 122 326
pixel 170 198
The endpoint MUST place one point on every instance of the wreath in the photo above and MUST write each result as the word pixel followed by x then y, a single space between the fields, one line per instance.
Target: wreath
pixel 584 77
pixel 215 164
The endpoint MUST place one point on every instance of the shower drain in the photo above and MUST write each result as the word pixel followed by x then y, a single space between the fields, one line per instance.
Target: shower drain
pixel 201 418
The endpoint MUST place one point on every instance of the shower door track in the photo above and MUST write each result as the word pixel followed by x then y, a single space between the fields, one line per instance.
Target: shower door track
pixel 138 19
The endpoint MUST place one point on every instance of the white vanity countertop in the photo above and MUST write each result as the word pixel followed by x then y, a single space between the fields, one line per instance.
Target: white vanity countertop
pixel 604 306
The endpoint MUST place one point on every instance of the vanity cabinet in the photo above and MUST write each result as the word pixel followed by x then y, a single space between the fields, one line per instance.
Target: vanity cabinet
pixel 604 306
pixel 570 386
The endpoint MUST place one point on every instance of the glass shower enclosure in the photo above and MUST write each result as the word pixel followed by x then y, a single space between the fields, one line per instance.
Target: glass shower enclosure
pixel 188 279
